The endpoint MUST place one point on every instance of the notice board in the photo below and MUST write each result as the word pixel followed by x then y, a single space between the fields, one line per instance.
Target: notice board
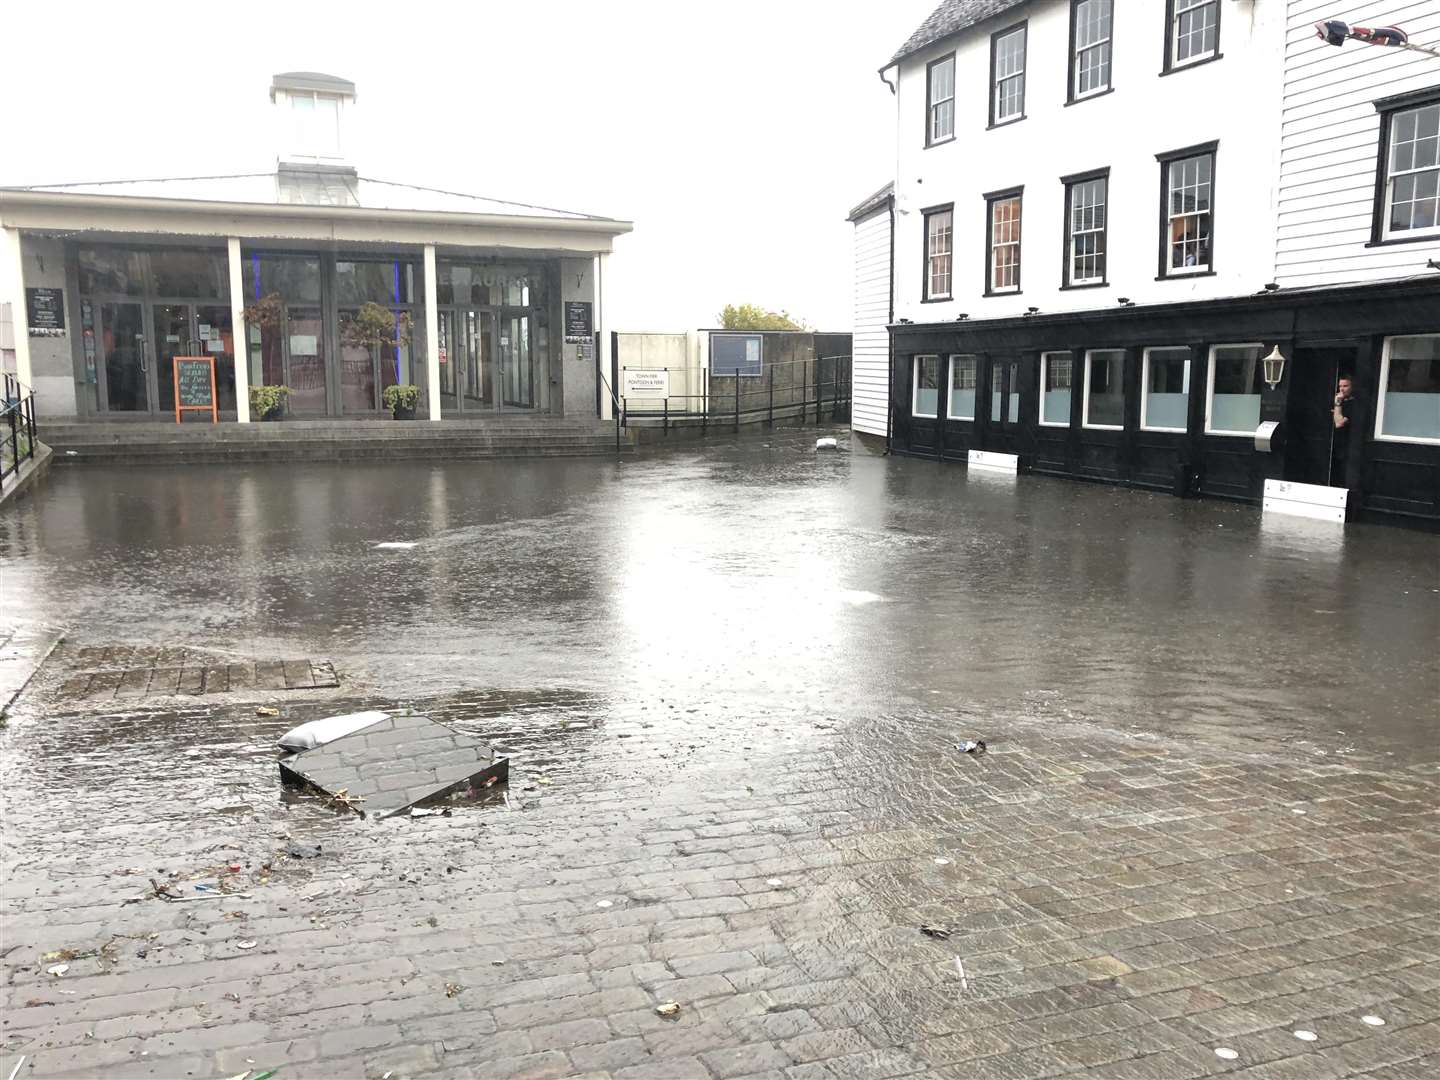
pixel 195 386
pixel 579 322
pixel 736 354
pixel 45 311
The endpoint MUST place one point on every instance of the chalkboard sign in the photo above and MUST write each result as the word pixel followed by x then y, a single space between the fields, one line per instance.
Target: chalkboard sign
pixel 579 326
pixel 45 311
pixel 736 354
pixel 195 386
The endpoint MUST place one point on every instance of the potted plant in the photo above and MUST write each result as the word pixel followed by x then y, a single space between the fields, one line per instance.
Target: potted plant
pixel 400 399
pixel 372 328
pixel 268 402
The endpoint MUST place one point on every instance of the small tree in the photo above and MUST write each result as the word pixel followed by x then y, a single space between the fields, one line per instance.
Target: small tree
pixel 754 317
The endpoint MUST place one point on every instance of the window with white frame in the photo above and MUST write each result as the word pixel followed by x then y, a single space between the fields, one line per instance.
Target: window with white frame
pixel 1104 405
pixel 940 99
pixel 1090 47
pixel 962 388
pixel 1055 379
pixel 938 239
pixel 1189 220
pixel 1003 231
pixel 1412 173
pixel 925 397
pixel 1085 257
pixel 1410 389
pixel 1235 383
pixel 1165 389
pixel 1194 32
pixel 1007 75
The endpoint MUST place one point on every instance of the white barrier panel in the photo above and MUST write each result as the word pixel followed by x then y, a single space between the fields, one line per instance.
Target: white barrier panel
pixel 1305 500
pixel 989 459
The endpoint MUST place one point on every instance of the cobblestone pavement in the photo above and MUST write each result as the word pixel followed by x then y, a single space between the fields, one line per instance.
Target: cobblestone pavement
pixel 731 681
pixel 1118 907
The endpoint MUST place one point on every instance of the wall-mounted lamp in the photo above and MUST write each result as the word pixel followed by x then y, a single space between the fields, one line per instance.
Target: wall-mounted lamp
pixel 1123 300
pixel 962 316
pixel 1271 286
pixel 1274 367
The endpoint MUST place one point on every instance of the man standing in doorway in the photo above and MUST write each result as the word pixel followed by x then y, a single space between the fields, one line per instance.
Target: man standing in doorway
pixel 1344 452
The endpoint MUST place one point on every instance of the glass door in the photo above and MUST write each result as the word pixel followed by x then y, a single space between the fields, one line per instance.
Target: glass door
pixel 479 360
pixel 127 365
pixel 517 362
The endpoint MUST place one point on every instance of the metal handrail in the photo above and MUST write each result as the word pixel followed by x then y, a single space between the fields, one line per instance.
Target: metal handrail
pixel 617 407
pixel 17 426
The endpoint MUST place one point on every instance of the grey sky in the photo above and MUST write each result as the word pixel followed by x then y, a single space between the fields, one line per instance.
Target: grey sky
pixel 735 135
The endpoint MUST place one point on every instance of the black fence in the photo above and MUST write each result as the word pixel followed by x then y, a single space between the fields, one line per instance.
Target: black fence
pixel 17 427
pixel 815 391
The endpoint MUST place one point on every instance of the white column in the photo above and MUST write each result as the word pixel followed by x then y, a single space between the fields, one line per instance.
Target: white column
pixel 15 293
pixel 602 327
pixel 239 333
pixel 432 333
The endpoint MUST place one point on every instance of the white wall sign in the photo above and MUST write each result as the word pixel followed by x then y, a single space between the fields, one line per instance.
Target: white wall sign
pixel 645 383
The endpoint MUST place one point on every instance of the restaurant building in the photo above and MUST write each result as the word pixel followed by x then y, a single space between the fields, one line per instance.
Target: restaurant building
pixel 1106 217
pixel 498 307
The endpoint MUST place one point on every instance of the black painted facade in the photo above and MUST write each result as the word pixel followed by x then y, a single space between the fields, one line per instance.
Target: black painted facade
pixel 1321 332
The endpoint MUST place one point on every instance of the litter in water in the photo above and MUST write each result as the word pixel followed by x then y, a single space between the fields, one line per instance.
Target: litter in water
pixel 668 1009
pixel 266 710
pixel 960 967
pixel 1305 1036
pixel 774 882
pixel 826 443
pixel 302 851
pixel 58 970
pixel 430 811
pixel 972 746
pixel 604 903
pixel 245 944
pixel 939 861
pixel 453 989
pixel 938 932
pixel 1226 1053
pixel 1373 1021
pixel 396 545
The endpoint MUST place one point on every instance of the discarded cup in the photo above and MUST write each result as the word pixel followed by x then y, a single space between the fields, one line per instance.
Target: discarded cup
pixel 668 1009
pixel 57 970
pixel 972 746
pixel 938 932
pixel 245 944
pixel 1373 1020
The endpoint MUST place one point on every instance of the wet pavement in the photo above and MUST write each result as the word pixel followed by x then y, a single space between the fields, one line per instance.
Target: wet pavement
pixel 731 678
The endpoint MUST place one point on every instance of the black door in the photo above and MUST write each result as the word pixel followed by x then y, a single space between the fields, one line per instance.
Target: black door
pixel 1311 430
pixel 1004 414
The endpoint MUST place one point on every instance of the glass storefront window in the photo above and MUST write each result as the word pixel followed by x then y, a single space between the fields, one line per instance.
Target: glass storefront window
pixel 962 388
pixel 295 277
pixel 1410 389
pixel 111 270
pixel 1236 380
pixel 197 275
pixel 1165 380
pixel 391 281
pixel 1055 376
pixel 925 398
pixel 1104 389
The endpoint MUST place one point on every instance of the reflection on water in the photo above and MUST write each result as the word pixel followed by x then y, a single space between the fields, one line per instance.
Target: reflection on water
pixel 747 573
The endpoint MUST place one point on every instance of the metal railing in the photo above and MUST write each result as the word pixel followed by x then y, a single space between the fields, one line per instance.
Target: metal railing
pixel 617 407
pixel 17 427
pixel 804 388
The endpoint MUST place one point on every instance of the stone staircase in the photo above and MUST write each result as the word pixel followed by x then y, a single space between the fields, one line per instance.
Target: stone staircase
pixel 332 440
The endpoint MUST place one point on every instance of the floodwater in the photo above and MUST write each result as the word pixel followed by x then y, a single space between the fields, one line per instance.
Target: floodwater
pixel 731 593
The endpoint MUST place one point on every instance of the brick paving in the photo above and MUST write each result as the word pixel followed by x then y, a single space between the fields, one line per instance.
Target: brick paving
pixel 1117 908
pixel 157 671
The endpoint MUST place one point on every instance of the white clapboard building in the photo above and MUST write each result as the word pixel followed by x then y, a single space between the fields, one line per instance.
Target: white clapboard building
pixel 1105 218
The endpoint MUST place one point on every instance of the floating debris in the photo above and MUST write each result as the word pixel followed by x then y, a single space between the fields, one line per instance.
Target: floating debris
pixel 669 1009
pixel 774 882
pixel 396 763
pixel 245 944
pixel 1226 1053
pixel 267 710
pixel 938 932
pixel 396 545
pixel 57 970
pixel 941 861
pixel 1304 1036
pixel 971 746
pixel 1373 1020
pixel 604 903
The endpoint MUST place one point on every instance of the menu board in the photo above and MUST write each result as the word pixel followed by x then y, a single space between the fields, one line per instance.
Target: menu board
pixel 195 385
pixel 45 311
